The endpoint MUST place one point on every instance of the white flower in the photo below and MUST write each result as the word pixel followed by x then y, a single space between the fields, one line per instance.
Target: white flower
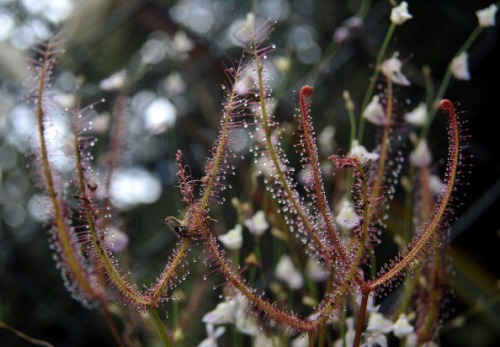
pixel 283 64
pixel 160 116
pixel 222 314
pixel 257 225
pixel 213 335
pixel 300 341
pixel 174 84
pixel 486 16
pixel 402 327
pixel 65 100
pixel 418 115
pixel 181 42
pixel 370 307
pixel 234 311
pixel 116 240
pixel 286 271
pixel 326 140
pixel 400 14
pixel 391 68
pixel 349 334
pixel 247 29
pixel 233 239
pixel 435 184
pixel 316 271
pixel 244 322
pixel 360 152
pixel 460 67
pixel 341 34
pixel 378 323
pixel 376 340
pixel 116 81
pixel 347 217
pixel 421 155
pixel 374 112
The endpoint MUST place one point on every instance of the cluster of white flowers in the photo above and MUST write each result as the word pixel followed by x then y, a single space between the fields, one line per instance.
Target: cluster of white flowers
pixel 235 310
pixel 378 327
pixel 256 225
pixel 459 66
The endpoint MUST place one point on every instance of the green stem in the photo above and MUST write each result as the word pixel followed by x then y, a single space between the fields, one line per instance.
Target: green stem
pixel 446 81
pixel 160 327
pixel 373 80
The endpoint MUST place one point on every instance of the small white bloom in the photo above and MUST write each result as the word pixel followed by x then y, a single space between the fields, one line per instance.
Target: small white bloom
pixel 300 341
pixel 460 67
pixel 160 116
pixel 347 217
pixel 116 81
pixel 400 14
pixel 247 29
pixel 244 322
pixel 376 340
pixel 486 16
pixel 101 123
pixel 326 140
pixel 374 112
pixel 436 184
pixel 174 84
pixel 378 323
pixel 360 152
pixel 213 335
pixel 349 334
pixel 286 271
pixel 65 100
pixel 391 68
pixel 181 42
pixel 316 271
pixel 233 239
pixel 418 115
pixel 222 314
pixel 402 327
pixel 341 34
pixel 116 240
pixel 421 155
pixel 370 307
pixel 354 22
pixel 283 64
pixel 257 225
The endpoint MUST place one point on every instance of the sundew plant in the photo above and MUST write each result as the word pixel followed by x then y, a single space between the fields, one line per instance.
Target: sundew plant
pixel 243 214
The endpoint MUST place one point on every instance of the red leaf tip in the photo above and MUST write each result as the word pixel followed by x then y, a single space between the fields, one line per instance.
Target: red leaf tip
pixel 306 90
